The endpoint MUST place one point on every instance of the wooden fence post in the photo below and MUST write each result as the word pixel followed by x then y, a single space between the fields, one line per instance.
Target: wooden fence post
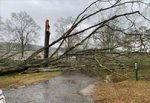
pixel 136 71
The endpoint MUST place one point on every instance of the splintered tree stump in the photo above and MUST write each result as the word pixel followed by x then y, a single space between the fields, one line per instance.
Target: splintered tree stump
pixel 47 37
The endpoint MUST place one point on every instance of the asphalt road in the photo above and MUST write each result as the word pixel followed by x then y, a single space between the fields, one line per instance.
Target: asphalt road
pixel 61 89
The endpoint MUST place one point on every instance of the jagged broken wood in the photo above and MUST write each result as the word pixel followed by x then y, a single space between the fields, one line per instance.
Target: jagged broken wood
pixel 83 16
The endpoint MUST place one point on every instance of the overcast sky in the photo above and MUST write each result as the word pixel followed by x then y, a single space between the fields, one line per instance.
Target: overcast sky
pixel 41 10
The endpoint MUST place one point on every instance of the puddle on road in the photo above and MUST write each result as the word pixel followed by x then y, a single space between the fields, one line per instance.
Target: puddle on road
pixel 61 89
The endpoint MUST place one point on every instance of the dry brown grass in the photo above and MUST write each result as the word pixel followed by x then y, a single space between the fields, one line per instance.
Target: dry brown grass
pixel 15 80
pixel 123 92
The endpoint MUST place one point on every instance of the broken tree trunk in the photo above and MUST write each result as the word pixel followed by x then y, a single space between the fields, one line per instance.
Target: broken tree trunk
pixel 47 36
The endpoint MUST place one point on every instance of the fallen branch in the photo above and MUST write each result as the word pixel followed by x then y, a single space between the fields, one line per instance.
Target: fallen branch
pixel 105 68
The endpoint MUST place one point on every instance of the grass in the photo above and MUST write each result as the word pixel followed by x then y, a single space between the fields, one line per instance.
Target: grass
pixel 128 91
pixel 15 80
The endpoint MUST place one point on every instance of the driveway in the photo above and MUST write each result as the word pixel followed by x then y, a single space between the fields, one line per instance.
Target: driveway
pixel 61 89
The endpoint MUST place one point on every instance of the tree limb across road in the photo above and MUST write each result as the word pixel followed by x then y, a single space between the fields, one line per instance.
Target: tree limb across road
pixel 94 10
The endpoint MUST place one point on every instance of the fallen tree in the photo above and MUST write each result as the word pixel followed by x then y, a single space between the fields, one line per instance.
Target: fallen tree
pixel 92 29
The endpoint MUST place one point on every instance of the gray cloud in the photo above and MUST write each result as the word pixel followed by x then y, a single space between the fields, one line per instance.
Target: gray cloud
pixel 40 10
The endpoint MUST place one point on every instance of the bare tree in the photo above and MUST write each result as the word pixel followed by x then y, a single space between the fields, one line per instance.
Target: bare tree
pixel 62 25
pixel 83 16
pixel 106 7
pixel 140 41
pixel 108 37
pixel 22 29
pixel 1 29
pixel 1 23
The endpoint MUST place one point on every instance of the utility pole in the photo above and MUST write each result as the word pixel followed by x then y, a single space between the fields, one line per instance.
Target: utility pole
pixel 47 36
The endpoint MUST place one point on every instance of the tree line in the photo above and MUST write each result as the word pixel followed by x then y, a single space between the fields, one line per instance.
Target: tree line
pixel 115 25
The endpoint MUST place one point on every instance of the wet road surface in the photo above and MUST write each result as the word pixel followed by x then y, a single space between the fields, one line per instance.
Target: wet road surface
pixel 61 89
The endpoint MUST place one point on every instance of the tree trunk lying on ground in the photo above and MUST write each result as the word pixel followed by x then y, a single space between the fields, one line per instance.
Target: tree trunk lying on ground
pixel 90 31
